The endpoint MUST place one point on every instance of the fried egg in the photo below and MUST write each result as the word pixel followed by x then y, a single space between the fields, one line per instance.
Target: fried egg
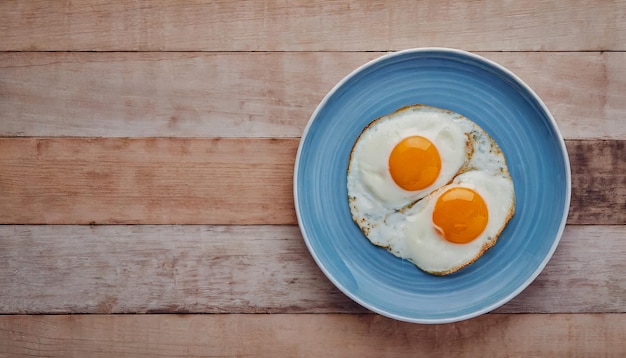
pixel 430 186
pixel 400 158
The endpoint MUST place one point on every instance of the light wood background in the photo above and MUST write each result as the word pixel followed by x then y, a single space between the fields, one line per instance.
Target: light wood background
pixel 146 160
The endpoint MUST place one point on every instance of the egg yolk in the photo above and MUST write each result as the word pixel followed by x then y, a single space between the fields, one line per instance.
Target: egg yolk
pixel 460 215
pixel 414 163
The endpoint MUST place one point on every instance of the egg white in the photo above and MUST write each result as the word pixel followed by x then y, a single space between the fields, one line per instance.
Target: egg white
pixel 373 192
pixel 411 235
pixel 401 221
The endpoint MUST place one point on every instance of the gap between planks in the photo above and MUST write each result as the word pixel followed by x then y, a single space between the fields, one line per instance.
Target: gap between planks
pixel 257 94
pixel 294 335
pixel 217 181
pixel 249 269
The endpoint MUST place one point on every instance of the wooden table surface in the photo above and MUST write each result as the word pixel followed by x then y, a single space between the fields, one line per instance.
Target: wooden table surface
pixel 146 162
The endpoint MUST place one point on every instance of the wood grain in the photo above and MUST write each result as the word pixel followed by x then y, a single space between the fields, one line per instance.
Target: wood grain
pixel 168 25
pixel 248 269
pixel 151 180
pixel 257 94
pixel 215 181
pixel 606 188
pixel 587 335
pixel 94 93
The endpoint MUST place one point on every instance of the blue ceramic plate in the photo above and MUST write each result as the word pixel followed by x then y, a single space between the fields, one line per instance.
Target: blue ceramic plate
pixel 502 105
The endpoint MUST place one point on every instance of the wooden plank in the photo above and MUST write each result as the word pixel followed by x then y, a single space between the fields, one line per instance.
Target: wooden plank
pixel 562 335
pixel 214 181
pixel 257 94
pixel 148 269
pixel 168 25
pixel 151 180
pixel 249 269
pixel 591 201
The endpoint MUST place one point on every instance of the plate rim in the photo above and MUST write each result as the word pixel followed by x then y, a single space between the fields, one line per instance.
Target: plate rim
pixel 553 124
